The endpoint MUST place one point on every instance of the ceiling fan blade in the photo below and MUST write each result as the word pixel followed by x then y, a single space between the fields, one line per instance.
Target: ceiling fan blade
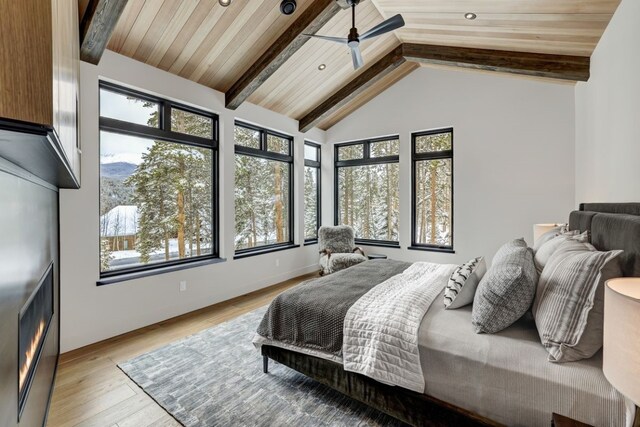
pixel 340 40
pixel 356 55
pixel 390 24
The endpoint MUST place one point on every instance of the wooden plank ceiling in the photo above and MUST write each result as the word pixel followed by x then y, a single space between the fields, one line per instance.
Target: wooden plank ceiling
pixel 298 86
pixel 567 27
pixel 215 46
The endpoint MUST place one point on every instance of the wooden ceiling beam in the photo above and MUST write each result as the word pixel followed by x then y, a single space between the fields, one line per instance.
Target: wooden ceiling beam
pixel 98 22
pixel 309 22
pixel 563 67
pixel 351 90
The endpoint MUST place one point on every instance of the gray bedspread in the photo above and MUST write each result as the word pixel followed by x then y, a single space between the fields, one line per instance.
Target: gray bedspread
pixel 311 315
pixel 506 376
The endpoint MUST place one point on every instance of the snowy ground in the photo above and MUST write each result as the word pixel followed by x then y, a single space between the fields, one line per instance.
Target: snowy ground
pixel 129 258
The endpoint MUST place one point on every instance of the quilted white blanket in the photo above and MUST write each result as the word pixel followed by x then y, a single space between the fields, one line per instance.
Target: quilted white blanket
pixel 381 328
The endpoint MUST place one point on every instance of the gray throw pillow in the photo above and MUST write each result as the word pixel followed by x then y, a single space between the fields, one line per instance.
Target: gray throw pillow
pixel 463 282
pixel 569 304
pixel 506 292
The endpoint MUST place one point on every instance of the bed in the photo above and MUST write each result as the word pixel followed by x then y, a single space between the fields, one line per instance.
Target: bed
pixel 469 378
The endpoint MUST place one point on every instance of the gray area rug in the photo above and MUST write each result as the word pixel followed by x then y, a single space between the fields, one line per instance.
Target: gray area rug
pixel 214 378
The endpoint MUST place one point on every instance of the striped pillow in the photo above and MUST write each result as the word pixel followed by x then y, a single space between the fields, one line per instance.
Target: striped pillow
pixel 569 304
pixel 463 282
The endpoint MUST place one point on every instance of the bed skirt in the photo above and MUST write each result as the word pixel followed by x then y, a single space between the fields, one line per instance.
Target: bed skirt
pixel 410 407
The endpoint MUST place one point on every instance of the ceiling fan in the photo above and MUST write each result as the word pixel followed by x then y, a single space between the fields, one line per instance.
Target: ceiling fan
pixel 354 39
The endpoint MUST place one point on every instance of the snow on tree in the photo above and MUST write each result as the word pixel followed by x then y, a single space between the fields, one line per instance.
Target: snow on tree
pixel 106 255
pixel 368 196
pixel 172 189
pixel 310 202
pixel 433 192
pixel 261 194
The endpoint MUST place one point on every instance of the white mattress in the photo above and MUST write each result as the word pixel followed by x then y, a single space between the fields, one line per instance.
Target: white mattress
pixel 507 378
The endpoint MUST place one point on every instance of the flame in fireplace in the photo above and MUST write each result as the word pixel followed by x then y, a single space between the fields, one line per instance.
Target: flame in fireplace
pixel 31 353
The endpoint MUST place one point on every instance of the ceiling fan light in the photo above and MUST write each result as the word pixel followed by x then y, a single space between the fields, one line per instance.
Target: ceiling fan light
pixel 354 39
pixel 224 3
pixel 470 16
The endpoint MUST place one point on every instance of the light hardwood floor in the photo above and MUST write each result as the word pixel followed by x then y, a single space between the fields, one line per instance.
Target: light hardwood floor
pixel 90 390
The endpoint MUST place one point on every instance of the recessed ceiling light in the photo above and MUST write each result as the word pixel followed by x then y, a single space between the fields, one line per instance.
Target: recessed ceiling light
pixel 322 67
pixel 224 3
pixel 470 16
pixel 287 7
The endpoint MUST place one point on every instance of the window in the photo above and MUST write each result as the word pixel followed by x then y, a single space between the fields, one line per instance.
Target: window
pixel 432 190
pixel 263 190
pixel 311 191
pixel 367 187
pixel 158 178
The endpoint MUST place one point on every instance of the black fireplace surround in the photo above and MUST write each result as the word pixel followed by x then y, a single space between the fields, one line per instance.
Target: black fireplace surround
pixel 29 296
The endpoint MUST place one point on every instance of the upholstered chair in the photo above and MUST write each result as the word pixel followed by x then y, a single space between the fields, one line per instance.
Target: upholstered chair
pixel 338 249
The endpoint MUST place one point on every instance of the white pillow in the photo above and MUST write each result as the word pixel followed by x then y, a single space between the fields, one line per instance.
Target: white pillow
pixel 545 251
pixel 554 232
pixel 463 282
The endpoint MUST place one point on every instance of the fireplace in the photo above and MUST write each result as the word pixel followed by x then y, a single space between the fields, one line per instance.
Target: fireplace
pixel 35 318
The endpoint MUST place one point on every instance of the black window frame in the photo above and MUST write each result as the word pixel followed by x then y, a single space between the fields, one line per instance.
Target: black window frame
pixel 318 166
pixel 269 155
pixel 366 160
pixel 164 133
pixel 434 155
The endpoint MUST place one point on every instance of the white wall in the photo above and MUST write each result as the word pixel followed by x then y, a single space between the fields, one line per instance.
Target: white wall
pixel 608 114
pixel 513 153
pixel 90 313
pixel 514 166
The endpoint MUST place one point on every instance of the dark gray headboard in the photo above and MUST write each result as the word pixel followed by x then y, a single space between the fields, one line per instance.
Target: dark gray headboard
pixel 612 226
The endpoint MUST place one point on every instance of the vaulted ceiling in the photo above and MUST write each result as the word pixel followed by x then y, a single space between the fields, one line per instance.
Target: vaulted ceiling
pixel 567 27
pixel 217 46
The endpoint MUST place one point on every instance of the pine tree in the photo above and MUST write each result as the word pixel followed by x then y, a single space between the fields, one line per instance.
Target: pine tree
pixel 173 191
pixel 261 193
pixel 156 205
pixel 105 255
pixel 433 192
pixel 310 202
pixel 368 195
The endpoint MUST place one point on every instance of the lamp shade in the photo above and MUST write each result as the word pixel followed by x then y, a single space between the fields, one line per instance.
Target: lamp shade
pixel 621 350
pixel 540 229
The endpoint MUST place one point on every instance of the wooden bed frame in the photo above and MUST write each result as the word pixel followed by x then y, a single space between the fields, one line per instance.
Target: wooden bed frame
pixel 422 410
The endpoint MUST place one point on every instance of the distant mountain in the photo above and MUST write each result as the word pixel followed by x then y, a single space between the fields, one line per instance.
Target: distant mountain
pixel 113 190
pixel 117 170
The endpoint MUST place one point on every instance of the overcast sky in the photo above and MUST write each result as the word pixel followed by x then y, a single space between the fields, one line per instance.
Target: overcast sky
pixel 122 148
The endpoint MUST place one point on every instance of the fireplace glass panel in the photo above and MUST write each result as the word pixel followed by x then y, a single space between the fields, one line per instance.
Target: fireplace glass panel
pixel 35 318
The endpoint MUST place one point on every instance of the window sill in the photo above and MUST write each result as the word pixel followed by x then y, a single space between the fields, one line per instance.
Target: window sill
pixel 311 242
pixel 156 271
pixel 432 249
pixel 381 244
pixel 266 250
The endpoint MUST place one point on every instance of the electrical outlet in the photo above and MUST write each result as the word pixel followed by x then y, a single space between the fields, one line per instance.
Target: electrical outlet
pixel 183 286
pixel 277 262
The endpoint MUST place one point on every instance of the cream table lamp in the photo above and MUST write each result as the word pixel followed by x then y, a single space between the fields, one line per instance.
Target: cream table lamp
pixel 540 229
pixel 621 349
